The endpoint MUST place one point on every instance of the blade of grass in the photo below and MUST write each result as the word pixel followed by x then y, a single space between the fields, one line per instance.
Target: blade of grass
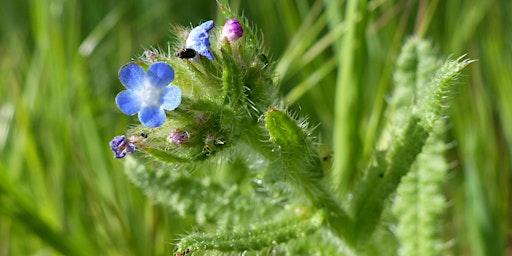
pixel 346 140
pixel 18 206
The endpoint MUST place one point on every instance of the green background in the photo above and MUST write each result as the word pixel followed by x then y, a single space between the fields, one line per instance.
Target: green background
pixel 61 191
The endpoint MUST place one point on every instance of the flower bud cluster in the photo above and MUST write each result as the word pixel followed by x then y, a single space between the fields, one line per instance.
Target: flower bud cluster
pixel 198 100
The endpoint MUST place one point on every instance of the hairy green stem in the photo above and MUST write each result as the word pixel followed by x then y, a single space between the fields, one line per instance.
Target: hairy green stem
pixel 420 202
pixel 255 237
pixel 295 160
pixel 370 201
pixel 407 144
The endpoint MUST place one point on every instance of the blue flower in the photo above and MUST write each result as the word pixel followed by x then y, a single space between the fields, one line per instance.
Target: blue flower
pixel 199 40
pixel 121 146
pixel 148 92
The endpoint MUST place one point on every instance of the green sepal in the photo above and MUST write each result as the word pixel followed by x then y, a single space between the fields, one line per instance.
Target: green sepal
pixel 261 90
pixel 165 156
pixel 210 127
pixel 283 130
pixel 232 82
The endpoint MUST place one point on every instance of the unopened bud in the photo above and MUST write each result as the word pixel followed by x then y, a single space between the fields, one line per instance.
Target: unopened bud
pixel 232 30
pixel 178 137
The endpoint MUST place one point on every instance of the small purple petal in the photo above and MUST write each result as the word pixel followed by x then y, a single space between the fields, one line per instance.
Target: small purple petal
pixel 128 102
pixel 117 142
pixel 171 98
pixel 152 117
pixel 132 76
pixel 121 146
pixel 130 148
pixel 160 74
pixel 151 56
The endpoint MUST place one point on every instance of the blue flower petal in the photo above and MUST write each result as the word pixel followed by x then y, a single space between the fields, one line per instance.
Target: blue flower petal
pixel 128 102
pixel 160 74
pixel 132 76
pixel 171 98
pixel 207 25
pixel 199 39
pixel 205 51
pixel 201 47
pixel 152 117
pixel 201 32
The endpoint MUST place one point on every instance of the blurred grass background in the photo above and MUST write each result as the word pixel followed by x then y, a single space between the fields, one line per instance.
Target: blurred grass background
pixel 61 191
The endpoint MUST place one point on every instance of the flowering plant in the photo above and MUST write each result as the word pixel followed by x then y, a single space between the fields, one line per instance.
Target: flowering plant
pixel 233 155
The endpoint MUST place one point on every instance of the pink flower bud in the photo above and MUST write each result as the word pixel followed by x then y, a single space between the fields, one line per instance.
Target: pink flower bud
pixel 232 30
pixel 178 137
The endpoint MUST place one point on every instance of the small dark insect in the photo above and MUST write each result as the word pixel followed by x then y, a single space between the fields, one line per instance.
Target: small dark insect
pixel 145 136
pixel 185 53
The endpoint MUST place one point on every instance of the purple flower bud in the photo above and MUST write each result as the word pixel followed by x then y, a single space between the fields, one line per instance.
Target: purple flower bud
pixel 232 30
pixel 178 137
pixel 121 146
pixel 151 56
